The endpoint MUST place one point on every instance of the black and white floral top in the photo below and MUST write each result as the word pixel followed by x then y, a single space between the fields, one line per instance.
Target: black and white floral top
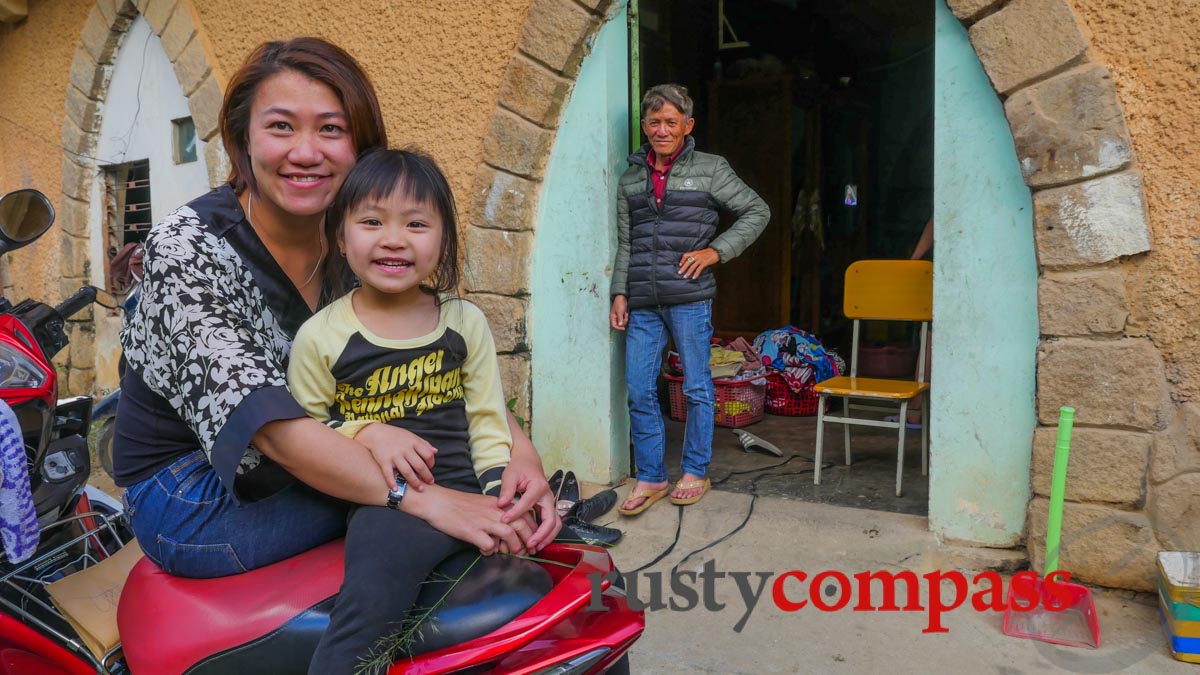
pixel 207 348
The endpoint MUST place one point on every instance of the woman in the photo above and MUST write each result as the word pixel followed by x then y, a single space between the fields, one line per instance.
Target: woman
pixel 225 472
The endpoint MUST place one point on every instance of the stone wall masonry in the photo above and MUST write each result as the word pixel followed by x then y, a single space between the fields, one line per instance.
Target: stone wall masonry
pixel 178 33
pixel 1176 450
pixel 1027 40
pixel 158 13
pixel 970 11
pixel 514 377
pixel 517 145
pixel 1174 511
pixel 1118 383
pixel 1091 222
pixel 506 318
pixel 1092 302
pixel 216 161
pixel 1105 465
pixel 191 67
pixel 504 201
pixel 555 32
pixel 205 106
pixel 1100 544
pixel 1069 127
pixel 533 91
pixel 497 261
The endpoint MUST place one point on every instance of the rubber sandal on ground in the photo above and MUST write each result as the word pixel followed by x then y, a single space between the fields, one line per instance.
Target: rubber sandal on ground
pixel 750 441
pixel 907 425
pixel 704 484
pixel 648 498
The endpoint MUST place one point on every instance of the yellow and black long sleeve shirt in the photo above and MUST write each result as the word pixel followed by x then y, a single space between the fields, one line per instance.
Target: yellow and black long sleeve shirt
pixel 444 386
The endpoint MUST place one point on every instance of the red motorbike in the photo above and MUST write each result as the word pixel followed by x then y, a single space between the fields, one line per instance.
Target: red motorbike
pixel 557 614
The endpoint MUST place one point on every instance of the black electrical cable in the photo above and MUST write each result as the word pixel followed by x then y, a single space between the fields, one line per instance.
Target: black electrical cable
pixel 749 512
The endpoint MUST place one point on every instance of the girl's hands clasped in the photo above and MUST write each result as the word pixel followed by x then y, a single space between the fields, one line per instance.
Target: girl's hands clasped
pixel 399 452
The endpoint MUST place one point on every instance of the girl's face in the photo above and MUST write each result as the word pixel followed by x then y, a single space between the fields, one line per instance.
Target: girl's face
pixel 392 244
pixel 299 144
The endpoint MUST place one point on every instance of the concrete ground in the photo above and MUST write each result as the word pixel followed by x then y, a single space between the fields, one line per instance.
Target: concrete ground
pixel 798 526
pixel 787 534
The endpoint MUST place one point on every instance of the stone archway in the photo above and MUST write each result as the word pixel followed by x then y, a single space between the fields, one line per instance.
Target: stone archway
pixel 1077 159
pixel 175 23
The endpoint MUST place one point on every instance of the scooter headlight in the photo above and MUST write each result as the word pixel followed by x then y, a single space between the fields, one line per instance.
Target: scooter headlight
pixel 18 371
pixel 579 665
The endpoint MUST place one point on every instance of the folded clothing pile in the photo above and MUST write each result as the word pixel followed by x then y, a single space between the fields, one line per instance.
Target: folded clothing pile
pixel 798 356
pixel 736 360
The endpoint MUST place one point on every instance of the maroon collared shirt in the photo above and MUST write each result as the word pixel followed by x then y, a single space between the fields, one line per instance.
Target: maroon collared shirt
pixel 659 178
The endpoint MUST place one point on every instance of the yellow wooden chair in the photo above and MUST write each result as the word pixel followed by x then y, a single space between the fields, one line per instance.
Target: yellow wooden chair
pixel 888 290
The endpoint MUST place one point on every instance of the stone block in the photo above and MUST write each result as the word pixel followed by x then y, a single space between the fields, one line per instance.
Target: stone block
pixel 71 217
pixel 81 110
pixel 517 145
pixel 73 258
pixel 158 13
pixel 1174 511
pixel 1177 449
pixel 205 104
pixel 503 201
pixel 82 346
pixel 108 11
pixel 1108 382
pixel 506 317
pixel 126 8
pixel 216 161
pixel 1027 40
pixel 515 378
pixel 191 68
pixel 86 75
pixel 497 261
pixel 141 5
pixel 1069 127
pixel 1106 465
pixel 555 33
pixel 1091 222
pixel 1082 303
pixel 969 11
pixel 98 37
pixel 77 143
pixel 82 381
pixel 1100 545
pixel 77 180
pixel 178 33
pixel 533 91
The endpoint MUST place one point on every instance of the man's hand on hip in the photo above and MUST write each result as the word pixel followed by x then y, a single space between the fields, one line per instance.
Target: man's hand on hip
pixel 695 262
pixel 618 318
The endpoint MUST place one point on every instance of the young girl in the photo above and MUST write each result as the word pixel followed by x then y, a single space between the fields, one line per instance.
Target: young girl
pixel 402 349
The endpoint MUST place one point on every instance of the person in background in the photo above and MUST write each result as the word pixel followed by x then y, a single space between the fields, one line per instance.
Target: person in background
pixel 663 285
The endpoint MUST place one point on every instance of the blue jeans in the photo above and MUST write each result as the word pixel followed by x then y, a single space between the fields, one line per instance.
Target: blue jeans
pixel 690 325
pixel 190 526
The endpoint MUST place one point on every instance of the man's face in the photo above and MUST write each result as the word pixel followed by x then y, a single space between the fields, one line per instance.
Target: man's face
pixel 666 128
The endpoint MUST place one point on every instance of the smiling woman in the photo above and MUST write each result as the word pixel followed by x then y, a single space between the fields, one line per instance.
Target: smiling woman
pixel 225 471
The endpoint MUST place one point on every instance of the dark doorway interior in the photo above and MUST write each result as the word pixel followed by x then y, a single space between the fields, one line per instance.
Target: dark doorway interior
pixel 825 108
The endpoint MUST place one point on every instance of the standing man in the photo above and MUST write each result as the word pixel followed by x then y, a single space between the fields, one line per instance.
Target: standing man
pixel 667 216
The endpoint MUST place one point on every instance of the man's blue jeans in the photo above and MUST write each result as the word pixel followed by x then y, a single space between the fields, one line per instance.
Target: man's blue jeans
pixel 690 325
pixel 190 526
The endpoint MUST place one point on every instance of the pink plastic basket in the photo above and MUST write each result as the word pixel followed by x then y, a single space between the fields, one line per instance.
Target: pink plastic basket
pixel 737 403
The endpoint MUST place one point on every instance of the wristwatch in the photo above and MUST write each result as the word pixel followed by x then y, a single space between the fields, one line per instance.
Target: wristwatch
pixel 396 496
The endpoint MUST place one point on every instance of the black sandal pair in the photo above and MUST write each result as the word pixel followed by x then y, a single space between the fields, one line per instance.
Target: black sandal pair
pixel 578 514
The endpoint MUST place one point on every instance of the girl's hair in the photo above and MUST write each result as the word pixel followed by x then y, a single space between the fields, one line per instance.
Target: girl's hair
pixel 378 174
pixel 313 57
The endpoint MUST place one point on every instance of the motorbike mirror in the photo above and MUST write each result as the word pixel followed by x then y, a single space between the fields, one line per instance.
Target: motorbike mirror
pixel 25 215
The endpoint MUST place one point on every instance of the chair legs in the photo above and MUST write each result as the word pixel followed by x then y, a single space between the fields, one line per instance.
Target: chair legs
pixel 820 439
pixel 846 427
pixel 900 446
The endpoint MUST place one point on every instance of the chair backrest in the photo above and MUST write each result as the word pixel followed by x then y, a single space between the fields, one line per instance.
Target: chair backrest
pixel 890 290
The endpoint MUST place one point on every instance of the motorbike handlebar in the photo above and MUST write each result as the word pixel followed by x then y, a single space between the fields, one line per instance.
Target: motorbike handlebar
pixel 77 302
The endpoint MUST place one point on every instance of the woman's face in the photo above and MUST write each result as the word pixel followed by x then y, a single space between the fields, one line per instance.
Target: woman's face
pixel 299 143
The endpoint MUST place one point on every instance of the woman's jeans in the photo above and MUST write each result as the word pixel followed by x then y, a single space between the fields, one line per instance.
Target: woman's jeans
pixel 690 325
pixel 190 526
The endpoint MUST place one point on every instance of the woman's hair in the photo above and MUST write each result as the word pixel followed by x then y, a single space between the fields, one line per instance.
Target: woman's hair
pixel 376 176
pixel 312 57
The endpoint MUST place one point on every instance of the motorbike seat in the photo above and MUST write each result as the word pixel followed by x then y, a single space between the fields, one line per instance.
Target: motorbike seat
pixel 270 619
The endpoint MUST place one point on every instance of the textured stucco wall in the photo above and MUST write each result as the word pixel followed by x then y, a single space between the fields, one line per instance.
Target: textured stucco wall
pixel 1154 57
pixel 436 64
pixel 35 62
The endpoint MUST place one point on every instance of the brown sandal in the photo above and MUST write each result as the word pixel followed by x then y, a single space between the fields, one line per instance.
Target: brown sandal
pixel 648 498
pixel 684 501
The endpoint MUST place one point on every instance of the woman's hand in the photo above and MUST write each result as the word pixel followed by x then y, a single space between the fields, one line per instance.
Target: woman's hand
pixel 399 451
pixel 473 518
pixel 525 475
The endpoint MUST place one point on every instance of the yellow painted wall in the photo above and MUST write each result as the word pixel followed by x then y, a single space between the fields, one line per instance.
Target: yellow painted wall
pixel 1156 67
pixel 436 64
pixel 35 63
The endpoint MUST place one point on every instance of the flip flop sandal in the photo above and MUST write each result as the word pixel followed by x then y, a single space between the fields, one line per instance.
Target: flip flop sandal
pixel 648 498
pixel 705 484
